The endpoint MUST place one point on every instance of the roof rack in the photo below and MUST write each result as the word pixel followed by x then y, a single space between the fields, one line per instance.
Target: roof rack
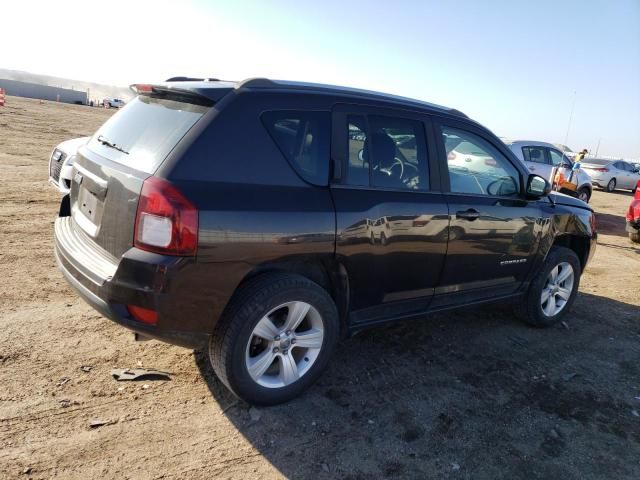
pixel 267 83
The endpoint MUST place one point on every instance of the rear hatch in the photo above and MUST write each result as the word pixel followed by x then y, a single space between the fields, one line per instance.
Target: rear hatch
pixel 110 170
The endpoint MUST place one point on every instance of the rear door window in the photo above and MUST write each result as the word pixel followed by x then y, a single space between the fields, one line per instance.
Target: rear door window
pixel 145 131
pixel 386 152
pixel 536 155
pixel 304 139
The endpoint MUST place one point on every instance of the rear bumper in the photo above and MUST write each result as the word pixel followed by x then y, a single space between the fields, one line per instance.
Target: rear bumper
pixel 138 278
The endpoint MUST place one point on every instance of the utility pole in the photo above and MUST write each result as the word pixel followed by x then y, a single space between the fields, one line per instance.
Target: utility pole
pixel 573 104
pixel 598 147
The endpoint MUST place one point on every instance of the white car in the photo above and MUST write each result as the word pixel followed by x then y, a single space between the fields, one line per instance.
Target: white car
pixel 113 103
pixel 611 174
pixel 541 157
pixel 61 163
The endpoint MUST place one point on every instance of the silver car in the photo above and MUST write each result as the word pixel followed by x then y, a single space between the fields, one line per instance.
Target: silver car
pixel 541 157
pixel 61 163
pixel 611 174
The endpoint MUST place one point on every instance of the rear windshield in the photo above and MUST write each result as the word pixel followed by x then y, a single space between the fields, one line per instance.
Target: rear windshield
pixel 145 131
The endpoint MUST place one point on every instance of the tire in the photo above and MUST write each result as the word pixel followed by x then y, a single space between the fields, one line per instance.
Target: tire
pixel 234 340
pixel 531 307
pixel 611 186
pixel 634 237
pixel 584 194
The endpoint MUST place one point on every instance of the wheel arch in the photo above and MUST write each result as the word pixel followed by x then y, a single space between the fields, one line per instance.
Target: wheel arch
pixel 325 271
pixel 577 243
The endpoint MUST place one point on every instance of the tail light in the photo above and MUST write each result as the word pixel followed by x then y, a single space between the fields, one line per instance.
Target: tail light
pixel 451 156
pixel 166 222
pixel 601 169
pixel 144 315
pixel 490 162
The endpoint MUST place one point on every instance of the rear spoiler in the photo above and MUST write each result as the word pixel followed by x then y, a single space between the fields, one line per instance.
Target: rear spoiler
pixel 172 93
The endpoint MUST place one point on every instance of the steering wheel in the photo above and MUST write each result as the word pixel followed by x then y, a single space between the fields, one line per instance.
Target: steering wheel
pixel 396 161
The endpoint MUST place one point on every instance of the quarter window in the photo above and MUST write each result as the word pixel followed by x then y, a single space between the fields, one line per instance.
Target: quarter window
pixel 303 138
pixel 477 167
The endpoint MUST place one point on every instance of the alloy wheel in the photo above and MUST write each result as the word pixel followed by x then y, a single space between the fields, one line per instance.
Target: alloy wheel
pixel 284 344
pixel 557 289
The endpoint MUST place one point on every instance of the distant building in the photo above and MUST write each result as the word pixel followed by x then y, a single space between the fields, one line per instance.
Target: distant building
pixel 42 92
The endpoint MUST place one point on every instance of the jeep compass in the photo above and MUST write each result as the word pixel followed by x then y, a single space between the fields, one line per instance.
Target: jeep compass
pixel 264 220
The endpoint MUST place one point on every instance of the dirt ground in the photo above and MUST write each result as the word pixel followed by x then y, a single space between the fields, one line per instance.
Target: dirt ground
pixel 472 394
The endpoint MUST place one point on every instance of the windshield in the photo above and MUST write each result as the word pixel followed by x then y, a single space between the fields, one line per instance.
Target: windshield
pixel 142 133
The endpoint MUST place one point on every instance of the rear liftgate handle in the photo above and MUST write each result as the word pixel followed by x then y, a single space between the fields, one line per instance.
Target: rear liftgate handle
pixel 469 214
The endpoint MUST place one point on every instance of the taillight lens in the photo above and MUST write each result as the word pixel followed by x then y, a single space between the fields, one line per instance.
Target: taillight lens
pixel 166 222
pixel 490 162
pixel 601 169
pixel 144 315
pixel 451 156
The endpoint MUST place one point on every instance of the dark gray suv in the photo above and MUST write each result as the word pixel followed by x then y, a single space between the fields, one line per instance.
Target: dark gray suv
pixel 264 220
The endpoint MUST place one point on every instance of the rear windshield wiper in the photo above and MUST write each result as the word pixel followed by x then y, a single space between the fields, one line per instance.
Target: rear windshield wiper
pixel 107 143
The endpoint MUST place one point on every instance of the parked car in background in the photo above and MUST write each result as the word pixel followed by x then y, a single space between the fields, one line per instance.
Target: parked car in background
pixel 541 157
pixel 611 174
pixel 113 103
pixel 61 163
pixel 633 216
pixel 214 215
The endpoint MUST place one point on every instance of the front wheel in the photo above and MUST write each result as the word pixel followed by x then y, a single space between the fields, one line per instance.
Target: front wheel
pixel 584 194
pixel 611 186
pixel 275 338
pixel 634 237
pixel 553 291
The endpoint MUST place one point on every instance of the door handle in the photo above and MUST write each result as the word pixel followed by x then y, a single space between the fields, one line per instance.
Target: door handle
pixel 470 214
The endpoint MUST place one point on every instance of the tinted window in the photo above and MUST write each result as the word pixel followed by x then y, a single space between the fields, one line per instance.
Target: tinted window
pixel 398 153
pixel 386 152
pixel 535 154
pixel 147 129
pixel 358 166
pixel 303 138
pixel 484 172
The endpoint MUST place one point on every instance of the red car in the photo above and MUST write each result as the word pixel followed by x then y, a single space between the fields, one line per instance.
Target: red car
pixel 633 216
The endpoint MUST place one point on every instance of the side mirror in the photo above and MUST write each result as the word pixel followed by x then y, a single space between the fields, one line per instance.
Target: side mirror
pixel 537 187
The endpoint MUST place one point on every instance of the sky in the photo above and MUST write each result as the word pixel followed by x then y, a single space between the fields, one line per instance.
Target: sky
pixel 518 67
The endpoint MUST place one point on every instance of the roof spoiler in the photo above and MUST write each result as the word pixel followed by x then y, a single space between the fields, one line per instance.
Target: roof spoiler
pixel 191 79
pixel 171 93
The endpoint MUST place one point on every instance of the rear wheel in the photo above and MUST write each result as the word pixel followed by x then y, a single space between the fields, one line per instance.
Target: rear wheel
pixel 634 237
pixel 611 186
pixel 275 338
pixel 553 291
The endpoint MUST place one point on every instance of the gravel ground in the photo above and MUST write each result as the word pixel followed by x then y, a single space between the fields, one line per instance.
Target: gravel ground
pixel 470 394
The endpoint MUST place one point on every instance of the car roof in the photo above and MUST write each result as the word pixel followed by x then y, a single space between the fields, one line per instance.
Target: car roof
pixel 204 87
pixel 532 143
